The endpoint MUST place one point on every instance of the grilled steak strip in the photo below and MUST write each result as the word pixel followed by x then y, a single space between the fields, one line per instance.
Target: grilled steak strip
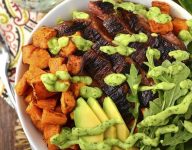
pixel 101 9
pixel 70 27
pixel 98 67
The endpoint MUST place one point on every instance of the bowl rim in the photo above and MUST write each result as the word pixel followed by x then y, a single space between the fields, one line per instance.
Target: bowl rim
pixel 40 23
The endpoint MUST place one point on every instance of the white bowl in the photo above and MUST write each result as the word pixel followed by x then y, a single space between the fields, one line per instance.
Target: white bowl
pixel 64 10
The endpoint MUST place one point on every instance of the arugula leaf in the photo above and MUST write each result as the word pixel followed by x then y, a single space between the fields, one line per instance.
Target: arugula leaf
pixel 154 108
pixel 133 79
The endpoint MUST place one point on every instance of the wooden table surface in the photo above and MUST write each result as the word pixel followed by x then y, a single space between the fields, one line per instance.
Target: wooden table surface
pixel 8 119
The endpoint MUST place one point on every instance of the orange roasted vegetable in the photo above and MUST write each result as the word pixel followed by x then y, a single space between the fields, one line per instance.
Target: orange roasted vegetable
pixel 68 50
pixel 67 102
pixel 164 7
pixel 74 64
pixel 178 25
pixel 75 87
pixel 51 117
pixel 39 58
pixel 160 28
pixel 35 114
pixel 40 92
pixel 56 64
pixel 29 98
pixel 50 130
pixel 33 74
pixel 48 104
pixel 22 86
pixel 41 37
pixel 27 52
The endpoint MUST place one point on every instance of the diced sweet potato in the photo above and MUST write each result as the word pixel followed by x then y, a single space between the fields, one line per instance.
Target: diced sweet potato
pixel 29 98
pixel 50 130
pixel 68 50
pixel 178 25
pixel 75 87
pixel 22 86
pixel 39 58
pixel 74 64
pixel 35 114
pixel 160 28
pixel 27 52
pixel 56 64
pixel 42 36
pixel 48 104
pixel 164 7
pixel 40 92
pixel 33 110
pixel 50 117
pixel 33 74
pixel 67 102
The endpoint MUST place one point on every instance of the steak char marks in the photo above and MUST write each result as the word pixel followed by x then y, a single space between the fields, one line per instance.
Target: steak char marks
pixel 98 67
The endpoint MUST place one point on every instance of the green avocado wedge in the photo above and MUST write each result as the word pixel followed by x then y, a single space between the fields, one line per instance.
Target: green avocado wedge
pixel 97 109
pixel 113 113
pixel 84 117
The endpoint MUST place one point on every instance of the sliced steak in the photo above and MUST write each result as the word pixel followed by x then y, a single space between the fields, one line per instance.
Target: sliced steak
pixel 70 27
pixel 115 25
pixel 145 97
pixel 98 67
pixel 101 9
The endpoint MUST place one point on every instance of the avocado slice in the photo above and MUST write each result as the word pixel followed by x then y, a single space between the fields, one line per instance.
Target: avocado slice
pixel 84 117
pixel 97 109
pixel 113 113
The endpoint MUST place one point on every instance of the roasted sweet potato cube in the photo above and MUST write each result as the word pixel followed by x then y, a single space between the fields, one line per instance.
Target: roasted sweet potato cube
pixel 74 64
pixel 33 74
pixel 68 50
pixel 67 102
pixel 38 124
pixel 22 86
pixel 39 58
pixel 42 36
pixel 164 7
pixel 56 64
pixel 48 104
pixel 75 87
pixel 178 25
pixel 33 110
pixel 160 28
pixel 50 130
pixel 40 92
pixel 29 98
pixel 51 117
pixel 27 52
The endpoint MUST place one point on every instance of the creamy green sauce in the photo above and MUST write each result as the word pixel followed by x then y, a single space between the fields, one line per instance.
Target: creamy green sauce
pixel 53 83
pixel 66 139
pixel 160 118
pixel 83 79
pixel 81 43
pixel 55 44
pixel 122 50
pixel 188 126
pixel 155 14
pixel 80 15
pixel 185 36
pixel 179 55
pixel 160 86
pixel 114 79
pixel 186 84
pixel 125 39
pixel 87 92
